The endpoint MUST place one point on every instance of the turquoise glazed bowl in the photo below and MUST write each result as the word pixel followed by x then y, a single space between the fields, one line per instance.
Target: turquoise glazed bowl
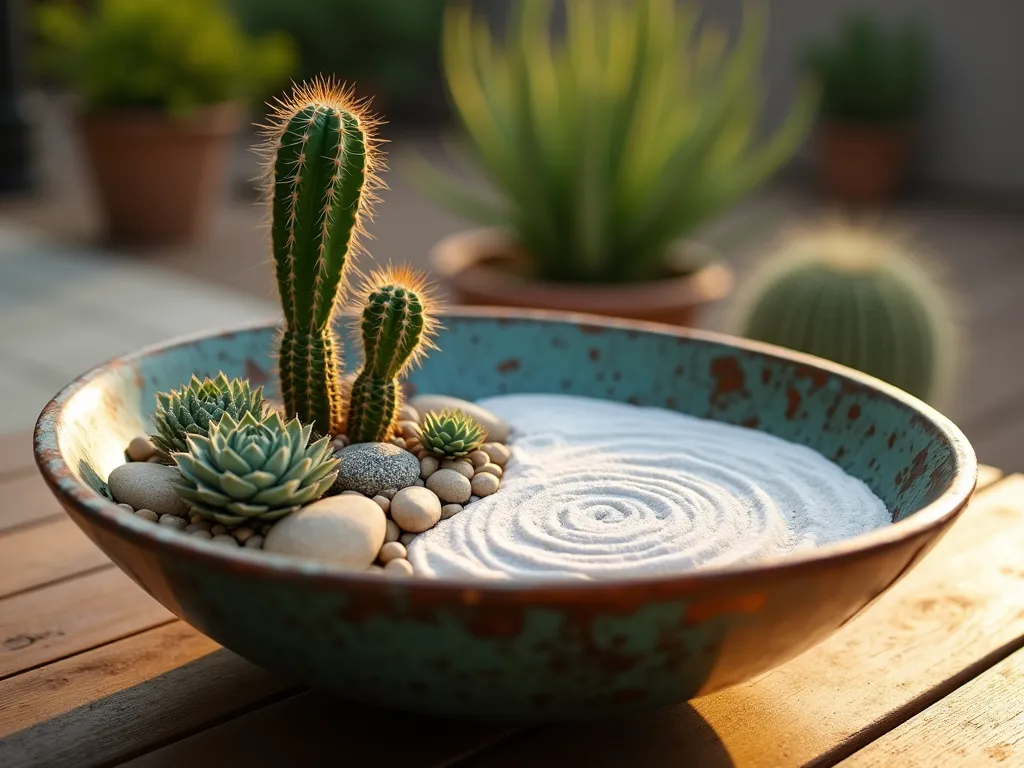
pixel 521 651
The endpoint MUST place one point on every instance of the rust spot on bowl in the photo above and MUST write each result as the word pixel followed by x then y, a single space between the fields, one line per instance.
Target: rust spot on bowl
pixel 766 375
pixel 854 413
pixel 511 365
pixel 703 610
pixel 728 375
pixel 818 378
pixel 793 403
pixel 594 354
pixel 869 431
pixel 751 422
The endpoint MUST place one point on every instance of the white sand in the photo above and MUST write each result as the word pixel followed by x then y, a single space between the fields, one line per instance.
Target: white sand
pixel 599 489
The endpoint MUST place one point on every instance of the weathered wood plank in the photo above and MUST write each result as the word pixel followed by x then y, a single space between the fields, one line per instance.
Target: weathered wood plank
pixel 981 723
pixel 952 617
pixel 25 500
pixel 987 476
pixel 53 622
pixel 40 554
pixel 125 698
pixel 315 729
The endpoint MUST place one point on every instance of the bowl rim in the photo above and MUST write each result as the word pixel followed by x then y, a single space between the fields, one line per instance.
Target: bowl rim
pixel 927 522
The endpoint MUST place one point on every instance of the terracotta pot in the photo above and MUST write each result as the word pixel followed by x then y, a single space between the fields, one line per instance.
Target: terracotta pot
pixel 158 178
pixel 482 267
pixel 863 163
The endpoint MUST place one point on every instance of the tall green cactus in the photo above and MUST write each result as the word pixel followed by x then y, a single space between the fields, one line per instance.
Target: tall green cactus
pixel 396 328
pixel 321 151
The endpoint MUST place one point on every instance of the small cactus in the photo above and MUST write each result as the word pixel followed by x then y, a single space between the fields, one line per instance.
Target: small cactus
pixel 321 161
pixel 192 409
pixel 852 296
pixel 451 433
pixel 396 329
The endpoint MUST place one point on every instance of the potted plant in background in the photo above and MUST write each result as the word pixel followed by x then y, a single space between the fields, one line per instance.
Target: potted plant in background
pixel 161 90
pixel 873 89
pixel 607 151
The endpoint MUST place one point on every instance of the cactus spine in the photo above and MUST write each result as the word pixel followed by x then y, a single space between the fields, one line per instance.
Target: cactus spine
pixel 321 152
pixel 853 296
pixel 396 328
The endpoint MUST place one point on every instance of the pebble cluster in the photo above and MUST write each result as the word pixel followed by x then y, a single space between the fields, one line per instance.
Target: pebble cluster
pixel 386 494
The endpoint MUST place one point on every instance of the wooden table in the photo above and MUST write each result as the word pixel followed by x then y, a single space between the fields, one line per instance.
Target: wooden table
pixel 94 672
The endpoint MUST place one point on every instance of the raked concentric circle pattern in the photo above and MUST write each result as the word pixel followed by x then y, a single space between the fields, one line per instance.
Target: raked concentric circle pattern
pixel 601 489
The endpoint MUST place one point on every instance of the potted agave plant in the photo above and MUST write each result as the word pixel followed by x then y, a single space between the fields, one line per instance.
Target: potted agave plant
pixel 608 152
pixel 160 90
pixel 873 83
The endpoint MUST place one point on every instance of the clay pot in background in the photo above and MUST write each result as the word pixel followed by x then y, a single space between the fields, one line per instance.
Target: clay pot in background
pixel 482 267
pixel 864 164
pixel 158 177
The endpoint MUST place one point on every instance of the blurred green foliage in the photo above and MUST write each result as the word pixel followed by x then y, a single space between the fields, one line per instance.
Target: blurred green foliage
pixel 389 47
pixel 609 147
pixel 170 55
pixel 871 74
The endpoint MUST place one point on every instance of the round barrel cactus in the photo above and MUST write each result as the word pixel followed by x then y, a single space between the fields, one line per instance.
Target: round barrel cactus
pixel 851 295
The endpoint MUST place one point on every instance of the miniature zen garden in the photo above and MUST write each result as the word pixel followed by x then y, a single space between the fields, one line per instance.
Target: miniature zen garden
pixel 343 470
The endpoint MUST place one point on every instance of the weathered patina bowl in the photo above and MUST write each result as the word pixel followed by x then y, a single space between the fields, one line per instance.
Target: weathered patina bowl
pixel 531 650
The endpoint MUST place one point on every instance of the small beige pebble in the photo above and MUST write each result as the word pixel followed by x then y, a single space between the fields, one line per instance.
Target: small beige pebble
pixel 219 530
pixel 461 466
pixel 129 507
pixel 398 567
pixel 407 538
pixel 389 494
pixel 154 460
pixel 201 534
pixel 197 519
pixel 148 514
pixel 224 540
pixel 413 445
pixel 415 509
pixel 498 453
pixel 422 452
pixel 383 502
pixel 351 493
pixel 485 484
pixel 256 542
pixel 339 442
pixel 193 527
pixel 140 449
pixel 392 531
pixel 408 429
pixel 399 441
pixel 478 458
pixel 375 568
pixel 493 469
pixel 171 521
pixel 450 486
pixel 408 413
pixel 391 550
pixel 428 466
pixel 243 534
pixel 450 510
pixel 419 482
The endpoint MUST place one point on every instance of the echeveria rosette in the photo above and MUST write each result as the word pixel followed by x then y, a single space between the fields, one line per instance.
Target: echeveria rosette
pixel 451 433
pixel 254 469
pixel 191 410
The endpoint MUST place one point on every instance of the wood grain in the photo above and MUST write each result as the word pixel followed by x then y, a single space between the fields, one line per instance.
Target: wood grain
pixel 16 456
pixel 981 723
pixel 957 613
pixel 26 500
pixel 40 554
pixel 315 729
pixel 125 698
pixel 53 622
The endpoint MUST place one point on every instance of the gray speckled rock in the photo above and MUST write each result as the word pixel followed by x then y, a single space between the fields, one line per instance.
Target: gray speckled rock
pixel 151 486
pixel 374 467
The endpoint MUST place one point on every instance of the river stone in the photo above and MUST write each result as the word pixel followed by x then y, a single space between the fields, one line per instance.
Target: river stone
pixel 374 467
pixel 415 509
pixel 497 430
pixel 450 487
pixel 151 486
pixel 347 530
